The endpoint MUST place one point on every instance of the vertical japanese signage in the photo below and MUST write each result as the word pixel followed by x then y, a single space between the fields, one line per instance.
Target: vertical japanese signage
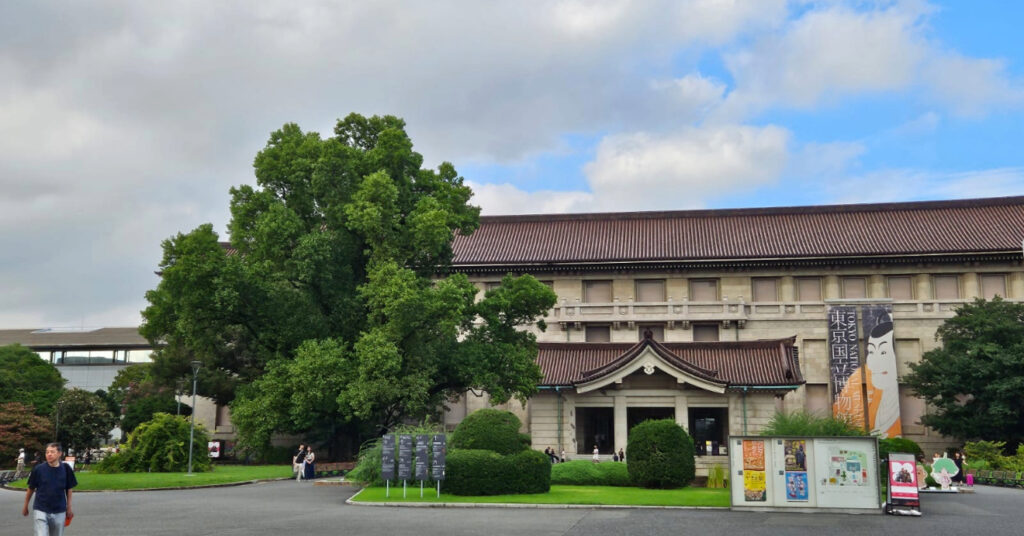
pixel 844 364
pixel 387 457
pixel 880 374
pixel 422 464
pixel 439 447
pixel 754 489
pixel 405 457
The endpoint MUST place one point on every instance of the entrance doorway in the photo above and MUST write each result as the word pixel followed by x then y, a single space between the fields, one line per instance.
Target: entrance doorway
pixel 709 428
pixel 635 416
pixel 595 426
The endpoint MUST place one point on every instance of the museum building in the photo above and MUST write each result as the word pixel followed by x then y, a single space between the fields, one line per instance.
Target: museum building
pixel 720 318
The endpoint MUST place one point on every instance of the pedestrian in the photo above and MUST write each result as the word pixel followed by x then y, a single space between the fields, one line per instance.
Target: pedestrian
pixel 21 461
pixel 298 461
pixel 615 456
pixel 308 466
pixel 563 456
pixel 958 459
pixel 597 455
pixel 51 483
pixel 622 455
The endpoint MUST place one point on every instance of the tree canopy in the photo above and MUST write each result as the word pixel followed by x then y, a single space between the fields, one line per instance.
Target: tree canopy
pixel 20 427
pixel 329 308
pixel 975 380
pixel 84 420
pixel 27 378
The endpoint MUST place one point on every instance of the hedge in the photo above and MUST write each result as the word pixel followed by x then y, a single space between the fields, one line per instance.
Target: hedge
pixel 490 429
pixel 483 472
pixel 660 454
pixel 588 473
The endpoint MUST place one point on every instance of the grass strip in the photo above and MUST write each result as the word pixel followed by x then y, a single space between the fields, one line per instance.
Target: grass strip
pixel 587 495
pixel 222 474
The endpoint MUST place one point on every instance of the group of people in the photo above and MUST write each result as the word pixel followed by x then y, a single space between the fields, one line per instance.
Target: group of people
pixel 619 456
pixel 304 463
pixel 553 456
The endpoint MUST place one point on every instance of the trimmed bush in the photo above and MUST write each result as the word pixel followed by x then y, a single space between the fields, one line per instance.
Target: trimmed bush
pixel 660 454
pixel 483 472
pixel 898 444
pixel 588 473
pixel 490 429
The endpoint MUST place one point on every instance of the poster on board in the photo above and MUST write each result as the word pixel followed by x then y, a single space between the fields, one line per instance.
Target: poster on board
pixel 903 482
pixel 754 478
pixel 796 486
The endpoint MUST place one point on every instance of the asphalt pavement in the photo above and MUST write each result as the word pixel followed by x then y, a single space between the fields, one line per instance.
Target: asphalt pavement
pixel 299 508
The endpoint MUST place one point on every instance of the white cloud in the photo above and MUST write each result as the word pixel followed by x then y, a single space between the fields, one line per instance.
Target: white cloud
pixel 916 184
pixel 494 199
pixel 972 86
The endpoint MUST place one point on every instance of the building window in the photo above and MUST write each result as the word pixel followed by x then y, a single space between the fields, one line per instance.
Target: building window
pixel 705 332
pixel 993 285
pixel 808 289
pixel 598 333
pixel 855 287
pixel 597 291
pixel 765 289
pixel 946 287
pixel 650 290
pixel 657 331
pixel 703 290
pixel 901 287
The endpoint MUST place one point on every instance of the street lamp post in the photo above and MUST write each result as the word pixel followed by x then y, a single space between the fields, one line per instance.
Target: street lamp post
pixel 196 365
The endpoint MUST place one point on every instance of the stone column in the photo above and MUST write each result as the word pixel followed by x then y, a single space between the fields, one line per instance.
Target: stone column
pixel 682 412
pixel 971 287
pixel 620 422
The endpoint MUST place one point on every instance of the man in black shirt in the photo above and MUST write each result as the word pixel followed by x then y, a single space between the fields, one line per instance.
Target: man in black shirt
pixel 51 482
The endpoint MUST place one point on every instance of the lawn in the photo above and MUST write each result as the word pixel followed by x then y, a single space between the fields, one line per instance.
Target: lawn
pixel 592 495
pixel 222 474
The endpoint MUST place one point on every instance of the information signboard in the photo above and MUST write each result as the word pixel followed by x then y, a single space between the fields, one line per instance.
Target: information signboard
pixel 405 457
pixel 422 464
pixel 387 457
pixel 902 482
pixel 440 449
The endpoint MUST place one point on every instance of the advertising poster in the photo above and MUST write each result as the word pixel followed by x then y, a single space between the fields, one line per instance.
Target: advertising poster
pixel 796 486
pixel 844 364
pixel 796 454
pixel 880 371
pixel 903 482
pixel 754 489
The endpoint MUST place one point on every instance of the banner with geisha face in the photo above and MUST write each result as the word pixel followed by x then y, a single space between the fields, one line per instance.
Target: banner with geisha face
pixel 883 396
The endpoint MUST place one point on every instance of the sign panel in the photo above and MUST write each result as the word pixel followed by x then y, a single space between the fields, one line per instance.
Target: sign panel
pixel 846 472
pixel 880 371
pixel 844 364
pixel 754 488
pixel 422 464
pixel 405 457
pixel 213 449
pixel 387 457
pixel 439 448
pixel 903 480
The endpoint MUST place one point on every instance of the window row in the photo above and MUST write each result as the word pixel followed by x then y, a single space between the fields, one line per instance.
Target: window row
pixel 96 357
pixel 702 332
pixel 806 289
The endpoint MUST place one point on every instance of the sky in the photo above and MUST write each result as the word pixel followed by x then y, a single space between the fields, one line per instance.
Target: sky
pixel 125 123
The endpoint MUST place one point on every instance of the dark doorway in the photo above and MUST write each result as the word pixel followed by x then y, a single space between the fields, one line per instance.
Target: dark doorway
pixel 595 426
pixel 635 416
pixel 709 425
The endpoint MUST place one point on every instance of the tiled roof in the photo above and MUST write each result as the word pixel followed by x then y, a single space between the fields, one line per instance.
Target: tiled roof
pixel 96 338
pixel 935 227
pixel 743 363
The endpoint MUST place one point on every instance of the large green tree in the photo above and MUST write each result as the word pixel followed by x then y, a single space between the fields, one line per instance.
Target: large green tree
pixel 328 310
pixel 83 420
pixel 975 381
pixel 20 427
pixel 27 378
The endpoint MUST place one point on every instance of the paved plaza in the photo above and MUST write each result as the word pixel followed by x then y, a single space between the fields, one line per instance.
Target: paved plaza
pixel 287 507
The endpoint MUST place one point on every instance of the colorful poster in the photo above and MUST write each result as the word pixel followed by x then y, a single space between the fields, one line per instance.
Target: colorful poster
pixel 796 454
pixel 883 395
pixel 845 468
pixel 754 477
pixel 844 363
pixel 902 479
pixel 796 486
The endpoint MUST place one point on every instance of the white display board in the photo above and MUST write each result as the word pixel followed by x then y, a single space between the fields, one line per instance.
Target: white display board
pixel 808 473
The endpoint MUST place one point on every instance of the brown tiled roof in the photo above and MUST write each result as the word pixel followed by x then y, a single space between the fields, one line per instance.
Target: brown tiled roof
pixel 41 339
pixel 744 363
pixel 919 228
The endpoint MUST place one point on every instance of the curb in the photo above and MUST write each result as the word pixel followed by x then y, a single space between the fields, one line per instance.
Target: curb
pixel 176 488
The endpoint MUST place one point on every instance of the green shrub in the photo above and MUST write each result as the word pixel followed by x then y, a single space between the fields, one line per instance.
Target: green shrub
pixel 588 473
pixel 660 454
pixel 484 472
pixel 160 445
pixel 990 452
pixel 801 423
pixel 716 476
pixel 898 444
pixel 490 429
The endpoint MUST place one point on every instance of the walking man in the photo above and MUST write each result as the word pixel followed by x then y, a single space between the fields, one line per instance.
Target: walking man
pixel 51 483
pixel 21 461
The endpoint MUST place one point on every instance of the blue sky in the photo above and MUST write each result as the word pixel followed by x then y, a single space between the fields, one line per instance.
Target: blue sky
pixel 123 123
